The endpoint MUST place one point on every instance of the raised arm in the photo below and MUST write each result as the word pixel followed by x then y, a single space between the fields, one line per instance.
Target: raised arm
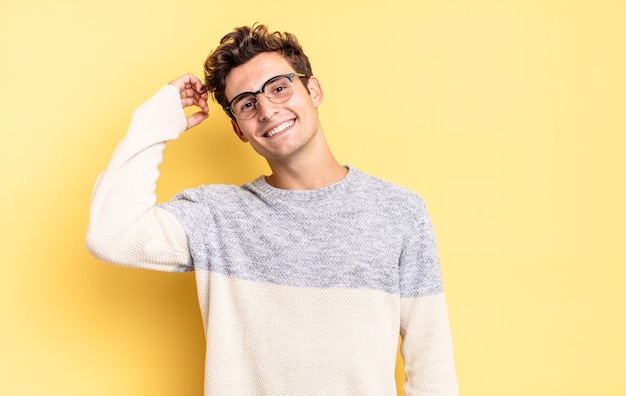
pixel 125 227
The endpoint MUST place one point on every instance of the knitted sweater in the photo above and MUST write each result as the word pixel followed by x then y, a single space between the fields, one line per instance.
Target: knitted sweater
pixel 301 292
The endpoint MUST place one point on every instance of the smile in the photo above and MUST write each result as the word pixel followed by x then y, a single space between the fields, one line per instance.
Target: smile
pixel 279 128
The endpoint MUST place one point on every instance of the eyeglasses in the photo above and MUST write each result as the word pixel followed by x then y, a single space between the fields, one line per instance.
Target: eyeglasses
pixel 277 90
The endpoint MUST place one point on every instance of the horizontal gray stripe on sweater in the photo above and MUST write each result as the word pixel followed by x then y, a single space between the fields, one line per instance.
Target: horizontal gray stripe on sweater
pixel 361 232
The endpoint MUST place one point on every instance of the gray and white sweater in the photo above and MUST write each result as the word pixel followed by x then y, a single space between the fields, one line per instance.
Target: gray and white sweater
pixel 301 292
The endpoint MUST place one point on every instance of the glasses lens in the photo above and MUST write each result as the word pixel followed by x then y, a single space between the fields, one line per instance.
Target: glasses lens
pixel 278 89
pixel 244 106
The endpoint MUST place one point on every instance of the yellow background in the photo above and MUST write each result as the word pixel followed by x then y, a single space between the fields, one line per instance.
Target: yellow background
pixel 508 117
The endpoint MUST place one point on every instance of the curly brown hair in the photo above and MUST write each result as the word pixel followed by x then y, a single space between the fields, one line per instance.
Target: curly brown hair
pixel 243 44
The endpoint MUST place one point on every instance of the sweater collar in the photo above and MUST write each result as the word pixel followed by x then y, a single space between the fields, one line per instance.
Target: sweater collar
pixel 267 190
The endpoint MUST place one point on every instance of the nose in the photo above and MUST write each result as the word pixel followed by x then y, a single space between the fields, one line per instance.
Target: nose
pixel 265 108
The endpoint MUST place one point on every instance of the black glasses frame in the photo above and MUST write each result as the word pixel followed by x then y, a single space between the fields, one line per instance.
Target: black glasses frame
pixel 228 108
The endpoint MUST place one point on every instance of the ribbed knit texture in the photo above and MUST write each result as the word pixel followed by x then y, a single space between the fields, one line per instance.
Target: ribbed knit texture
pixel 301 292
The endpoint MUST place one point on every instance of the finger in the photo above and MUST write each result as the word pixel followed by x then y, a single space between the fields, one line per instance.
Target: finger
pixel 192 82
pixel 193 93
pixel 187 81
pixel 196 100
pixel 196 118
pixel 203 104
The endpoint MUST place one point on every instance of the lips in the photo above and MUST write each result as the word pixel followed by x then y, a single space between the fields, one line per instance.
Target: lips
pixel 278 129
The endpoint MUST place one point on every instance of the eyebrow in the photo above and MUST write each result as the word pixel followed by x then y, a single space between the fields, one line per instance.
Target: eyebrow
pixel 295 74
pixel 263 85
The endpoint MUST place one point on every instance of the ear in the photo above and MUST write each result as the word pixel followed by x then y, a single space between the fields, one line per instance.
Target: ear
pixel 238 132
pixel 315 90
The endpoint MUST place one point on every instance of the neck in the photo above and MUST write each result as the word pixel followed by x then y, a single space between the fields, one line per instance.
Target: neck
pixel 310 173
pixel 307 179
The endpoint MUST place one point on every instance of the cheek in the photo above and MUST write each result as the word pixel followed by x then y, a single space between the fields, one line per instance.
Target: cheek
pixel 299 105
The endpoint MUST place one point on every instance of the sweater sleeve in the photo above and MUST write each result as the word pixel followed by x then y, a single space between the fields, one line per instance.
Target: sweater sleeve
pixel 125 226
pixel 427 347
pixel 424 326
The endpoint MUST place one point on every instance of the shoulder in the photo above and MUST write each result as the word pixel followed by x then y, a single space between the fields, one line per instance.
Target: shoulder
pixel 386 192
pixel 213 192
pixel 195 205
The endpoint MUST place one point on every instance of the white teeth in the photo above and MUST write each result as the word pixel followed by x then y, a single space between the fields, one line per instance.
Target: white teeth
pixel 279 128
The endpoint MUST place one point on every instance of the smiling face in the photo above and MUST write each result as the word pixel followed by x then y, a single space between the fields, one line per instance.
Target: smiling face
pixel 278 131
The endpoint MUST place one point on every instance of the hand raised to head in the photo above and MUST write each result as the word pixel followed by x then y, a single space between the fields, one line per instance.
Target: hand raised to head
pixel 192 94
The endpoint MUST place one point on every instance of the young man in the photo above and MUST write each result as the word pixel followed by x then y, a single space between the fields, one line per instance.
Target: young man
pixel 305 277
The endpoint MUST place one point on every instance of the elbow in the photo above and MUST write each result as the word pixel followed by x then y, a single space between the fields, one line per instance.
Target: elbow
pixel 103 245
pixel 97 246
